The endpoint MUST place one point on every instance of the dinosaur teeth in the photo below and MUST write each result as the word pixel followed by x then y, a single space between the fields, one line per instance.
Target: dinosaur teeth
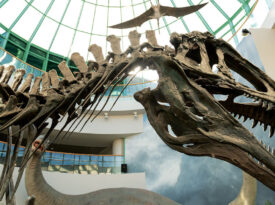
pixel 271 131
pixel 265 127
pixel 244 118
pixel 239 116
pixel 255 122
pixel 268 148
pixel 261 142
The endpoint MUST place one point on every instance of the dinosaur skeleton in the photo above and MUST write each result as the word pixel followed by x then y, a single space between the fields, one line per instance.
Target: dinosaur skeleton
pixel 183 100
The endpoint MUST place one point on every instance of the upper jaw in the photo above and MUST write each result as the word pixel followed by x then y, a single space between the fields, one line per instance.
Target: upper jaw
pixel 202 126
pixel 256 105
pixel 244 152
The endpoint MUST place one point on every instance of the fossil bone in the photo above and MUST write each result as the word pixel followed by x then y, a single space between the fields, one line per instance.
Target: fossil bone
pixel 203 125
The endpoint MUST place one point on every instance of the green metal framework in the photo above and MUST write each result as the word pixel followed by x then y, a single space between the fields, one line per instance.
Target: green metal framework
pixel 44 59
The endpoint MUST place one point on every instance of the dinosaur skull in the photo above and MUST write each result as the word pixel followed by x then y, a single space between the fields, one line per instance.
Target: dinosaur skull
pixel 36 144
pixel 203 126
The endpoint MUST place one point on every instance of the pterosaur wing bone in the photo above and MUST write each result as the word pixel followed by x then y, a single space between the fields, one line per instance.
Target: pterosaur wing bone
pixel 135 21
pixel 182 11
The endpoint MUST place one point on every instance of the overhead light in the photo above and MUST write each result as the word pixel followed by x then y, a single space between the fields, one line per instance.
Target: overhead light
pixel 245 32
pixel 135 114
pixel 106 115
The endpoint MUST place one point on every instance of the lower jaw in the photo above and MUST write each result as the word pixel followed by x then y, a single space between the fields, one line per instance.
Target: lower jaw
pixel 237 157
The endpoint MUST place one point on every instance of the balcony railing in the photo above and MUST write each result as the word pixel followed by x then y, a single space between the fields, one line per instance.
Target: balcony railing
pixel 73 163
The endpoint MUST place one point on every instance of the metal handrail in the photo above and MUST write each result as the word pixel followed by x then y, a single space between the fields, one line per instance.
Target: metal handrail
pixel 74 153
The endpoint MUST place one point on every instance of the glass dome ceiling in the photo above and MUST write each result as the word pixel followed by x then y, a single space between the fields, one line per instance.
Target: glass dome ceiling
pixel 52 30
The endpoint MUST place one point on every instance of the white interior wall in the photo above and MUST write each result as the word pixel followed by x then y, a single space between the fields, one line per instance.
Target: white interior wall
pixel 265 41
pixel 81 183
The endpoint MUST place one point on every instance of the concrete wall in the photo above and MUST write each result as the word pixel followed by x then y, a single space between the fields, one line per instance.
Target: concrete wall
pixel 115 121
pixel 124 120
pixel 113 124
pixel 80 184
pixel 123 104
pixel 265 41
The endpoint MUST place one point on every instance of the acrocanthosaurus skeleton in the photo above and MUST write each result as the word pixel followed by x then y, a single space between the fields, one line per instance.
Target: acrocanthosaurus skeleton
pixel 202 125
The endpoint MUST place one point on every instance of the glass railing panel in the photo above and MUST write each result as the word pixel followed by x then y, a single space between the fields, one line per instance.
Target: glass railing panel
pixel 21 152
pixel 84 159
pixel 68 159
pixel 72 163
pixel 108 158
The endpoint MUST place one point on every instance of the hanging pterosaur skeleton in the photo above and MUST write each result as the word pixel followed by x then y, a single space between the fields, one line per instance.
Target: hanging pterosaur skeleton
pixel 183 100
pixel 156 12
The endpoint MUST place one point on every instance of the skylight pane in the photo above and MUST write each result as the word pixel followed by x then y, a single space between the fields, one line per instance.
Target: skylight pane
pixel 27 24
pixel 58 9
pixel 73 13
pixel 100 22
pixel 115 3
pixel 137 9
pixel 127 13
pixel 9 11
pixel 63 41
pixel 87 16
pixel 113 20
pixel 229 7
pixel 45 33
pixel 81 44
pixel 108 12
pixel 177 27
pixel 103 2
pixel 242 15
pixel 92 1
pixel 194 23
pixel 224 30
pixel 215 18
pixel 41 5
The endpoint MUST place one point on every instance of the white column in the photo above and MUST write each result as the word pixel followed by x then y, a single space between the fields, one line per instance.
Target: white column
pixel 118 147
